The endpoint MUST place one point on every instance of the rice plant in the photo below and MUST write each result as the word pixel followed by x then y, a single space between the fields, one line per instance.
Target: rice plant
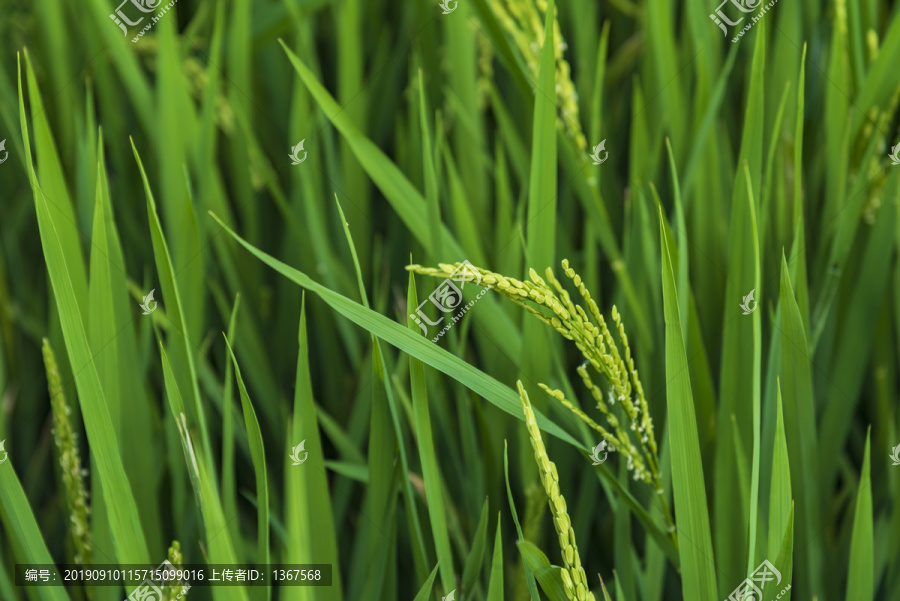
pixel 278 290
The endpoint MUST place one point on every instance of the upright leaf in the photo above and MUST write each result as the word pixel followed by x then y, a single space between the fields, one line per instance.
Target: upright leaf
pixel 861 579
pixel 698 573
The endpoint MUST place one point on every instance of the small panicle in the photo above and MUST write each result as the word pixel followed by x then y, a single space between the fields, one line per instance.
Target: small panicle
pixel 523 20
pixel 574 578
pixel 71 471
pixel 175 590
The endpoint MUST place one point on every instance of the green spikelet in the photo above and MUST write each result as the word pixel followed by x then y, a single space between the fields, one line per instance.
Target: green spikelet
pixel 174 592
pixel 545 297
pixel 547 300
pixel 574 579
pixel 69 461
pixel 523 21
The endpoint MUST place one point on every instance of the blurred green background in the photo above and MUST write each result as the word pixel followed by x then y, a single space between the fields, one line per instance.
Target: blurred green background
pixel 436 135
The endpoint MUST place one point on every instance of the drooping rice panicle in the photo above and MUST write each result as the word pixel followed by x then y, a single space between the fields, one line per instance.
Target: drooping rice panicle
pixel 547 299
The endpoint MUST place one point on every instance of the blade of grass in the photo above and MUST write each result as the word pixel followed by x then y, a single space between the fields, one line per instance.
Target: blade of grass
pixel 431 473
pixel 425 592
pixel 22 527
pixel 310 517
pixel 101 328
pixel 487 387
pixel 739 349
pixel 125 524
pixel 475 560
pixel 258 455
pixel 860 579
pixel 756 391
pixel 848 372
pixel 698 574
pixel 684 290
pixel 55 189
pixel 495 585
pixel 529 575
pixel 784 562
pixel 799 420
pixel 405 199
pixel 229 491
pixel 540 227
pixel 380 494
pixel 431 184
pixel 137 410
pixel 780 497
pixel 185 351
pixel 549 576
pixel 218 539
pixel 381 381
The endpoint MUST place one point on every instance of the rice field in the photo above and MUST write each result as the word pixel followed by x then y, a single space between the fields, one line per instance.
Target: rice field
pixel 458 300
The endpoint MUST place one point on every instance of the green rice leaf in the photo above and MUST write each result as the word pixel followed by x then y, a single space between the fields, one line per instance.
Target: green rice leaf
pixel 431 184
pixel 184 350
pixel 218 539
pixel 380 494
pixel 21 526
pixel 475 560
pixel 102 329
pixel 861 580
pixel 125 523
pixel 53 185
pixel 309 511
pixel 857 328
pixel 784 563
pixel 427 456
pixel 495 586
pixel 229 490
pixel 529 575
pixel 404 198
pixel 258 455
pixel 549 576
pixel 698 575
pixel 740 349
pixel 799 421
pixel 540 229
pixel 487 387
pixel 780 498
pixel 425 592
